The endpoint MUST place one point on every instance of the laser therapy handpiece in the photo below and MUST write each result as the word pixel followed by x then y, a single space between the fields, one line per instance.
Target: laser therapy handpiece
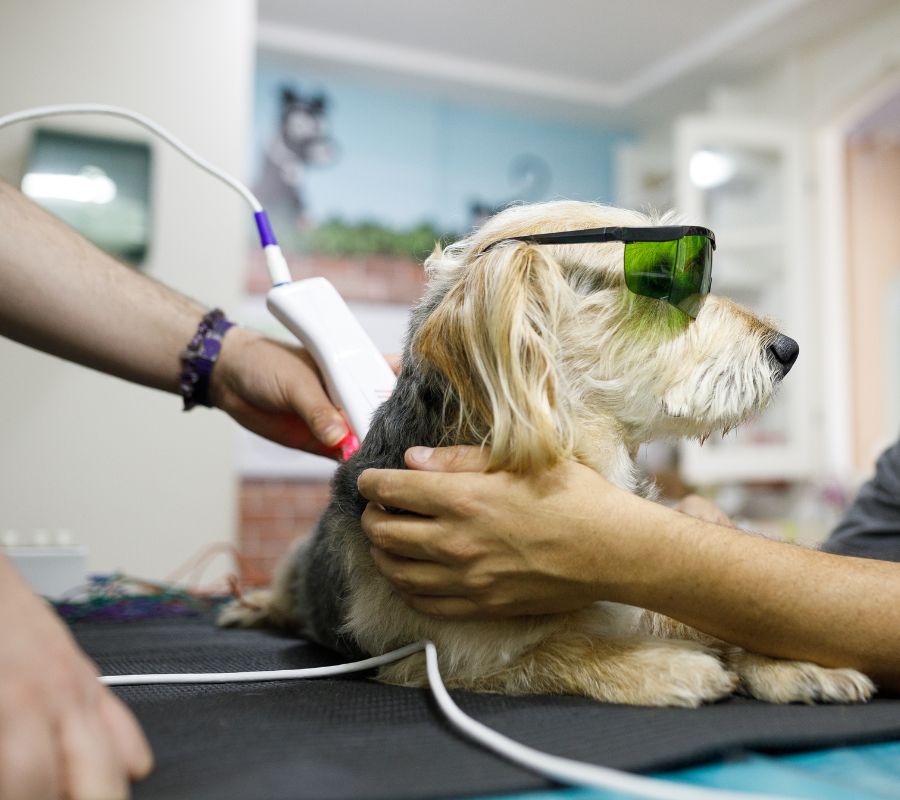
pixel 357 377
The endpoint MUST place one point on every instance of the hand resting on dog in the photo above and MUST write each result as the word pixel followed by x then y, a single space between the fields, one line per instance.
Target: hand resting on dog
pixel 497 544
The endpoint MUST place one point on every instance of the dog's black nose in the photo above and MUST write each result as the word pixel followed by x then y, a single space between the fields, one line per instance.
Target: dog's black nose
pixel 783 352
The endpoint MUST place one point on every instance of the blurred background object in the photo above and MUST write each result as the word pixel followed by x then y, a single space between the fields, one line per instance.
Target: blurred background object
pixel 373 130
pixel 99 186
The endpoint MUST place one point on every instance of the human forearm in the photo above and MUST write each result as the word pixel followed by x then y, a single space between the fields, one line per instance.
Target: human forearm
pixel 64 296
pixel 488 545
pixel 767 596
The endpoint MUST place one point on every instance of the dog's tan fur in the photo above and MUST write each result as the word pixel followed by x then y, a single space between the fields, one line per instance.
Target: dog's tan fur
pixel 548 356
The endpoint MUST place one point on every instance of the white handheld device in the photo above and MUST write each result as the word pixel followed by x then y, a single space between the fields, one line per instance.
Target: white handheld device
pixel 356 375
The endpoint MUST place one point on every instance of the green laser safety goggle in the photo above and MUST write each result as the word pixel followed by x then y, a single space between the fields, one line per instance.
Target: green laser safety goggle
pixel 671 262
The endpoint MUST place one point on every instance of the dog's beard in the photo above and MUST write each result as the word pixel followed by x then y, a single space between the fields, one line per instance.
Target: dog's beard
pixel 720 398
pixel 652 379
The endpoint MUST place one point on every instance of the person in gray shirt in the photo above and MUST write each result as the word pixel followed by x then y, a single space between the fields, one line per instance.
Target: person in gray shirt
pixel 871 526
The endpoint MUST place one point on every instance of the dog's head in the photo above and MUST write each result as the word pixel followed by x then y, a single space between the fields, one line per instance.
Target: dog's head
pixel 548 355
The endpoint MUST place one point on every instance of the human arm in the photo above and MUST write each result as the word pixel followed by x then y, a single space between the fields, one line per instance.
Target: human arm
pixel 62 733
pixel 499 544
pixel 62 295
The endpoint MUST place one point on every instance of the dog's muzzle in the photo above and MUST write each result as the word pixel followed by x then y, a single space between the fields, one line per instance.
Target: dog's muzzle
pixel 783 353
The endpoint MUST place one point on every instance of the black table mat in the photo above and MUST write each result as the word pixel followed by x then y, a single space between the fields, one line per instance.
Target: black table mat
pixel 354 739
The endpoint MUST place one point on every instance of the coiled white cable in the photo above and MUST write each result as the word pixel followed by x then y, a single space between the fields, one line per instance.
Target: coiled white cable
pixel 562 770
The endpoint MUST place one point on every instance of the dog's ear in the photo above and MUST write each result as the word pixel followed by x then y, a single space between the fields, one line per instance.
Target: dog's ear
pixel 494 337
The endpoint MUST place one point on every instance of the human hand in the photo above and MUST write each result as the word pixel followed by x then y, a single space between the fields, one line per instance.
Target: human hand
pixel 494 544
pixel 696 506
pixel 62 733
pixel 275 390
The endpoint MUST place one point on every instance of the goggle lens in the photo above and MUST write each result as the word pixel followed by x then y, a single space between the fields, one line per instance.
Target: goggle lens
pixel 678 271
pixel 649 267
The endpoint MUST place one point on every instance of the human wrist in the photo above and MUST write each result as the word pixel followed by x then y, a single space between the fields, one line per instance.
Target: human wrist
pixel 672 557
pixel 199 359
pixel 224 377
pixel 638 547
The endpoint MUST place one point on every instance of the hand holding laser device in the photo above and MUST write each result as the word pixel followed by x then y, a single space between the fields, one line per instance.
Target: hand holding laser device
pixel 357 377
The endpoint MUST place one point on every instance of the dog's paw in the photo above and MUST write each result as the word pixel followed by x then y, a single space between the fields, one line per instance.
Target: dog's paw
pixel 776 681
pixel 687 676
pixel 250 611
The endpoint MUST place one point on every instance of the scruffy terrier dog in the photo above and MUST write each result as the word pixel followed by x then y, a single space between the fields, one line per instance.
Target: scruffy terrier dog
pixel 541 353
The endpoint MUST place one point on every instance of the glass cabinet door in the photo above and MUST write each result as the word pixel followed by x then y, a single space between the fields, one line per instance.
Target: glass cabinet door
pixel 742 178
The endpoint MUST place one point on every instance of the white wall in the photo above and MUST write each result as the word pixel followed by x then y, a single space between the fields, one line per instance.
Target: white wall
pixel 143 485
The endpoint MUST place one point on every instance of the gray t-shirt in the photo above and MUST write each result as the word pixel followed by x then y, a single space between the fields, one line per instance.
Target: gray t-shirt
pixel 871 526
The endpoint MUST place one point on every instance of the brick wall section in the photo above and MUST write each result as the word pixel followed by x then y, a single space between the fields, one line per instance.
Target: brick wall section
pixel 275 513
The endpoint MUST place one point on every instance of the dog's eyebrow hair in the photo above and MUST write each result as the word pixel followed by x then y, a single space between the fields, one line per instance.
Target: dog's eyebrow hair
pixel 507 241
pixel 588 278
pixel 491 246
pixel 602 279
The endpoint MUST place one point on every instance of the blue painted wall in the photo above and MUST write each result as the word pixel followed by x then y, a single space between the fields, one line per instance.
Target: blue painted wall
pixel 409 157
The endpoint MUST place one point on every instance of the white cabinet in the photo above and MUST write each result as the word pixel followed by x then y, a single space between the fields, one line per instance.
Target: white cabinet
pixel 743 178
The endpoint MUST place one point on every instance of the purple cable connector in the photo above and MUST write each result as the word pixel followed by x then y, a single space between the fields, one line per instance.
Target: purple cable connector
pixel 266 234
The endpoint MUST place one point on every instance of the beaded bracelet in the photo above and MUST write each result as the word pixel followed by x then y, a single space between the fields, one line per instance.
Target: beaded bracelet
pixel 200 356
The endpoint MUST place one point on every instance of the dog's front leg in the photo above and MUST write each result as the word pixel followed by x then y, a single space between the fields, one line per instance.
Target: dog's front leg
pixel 770 679
pixel 781 681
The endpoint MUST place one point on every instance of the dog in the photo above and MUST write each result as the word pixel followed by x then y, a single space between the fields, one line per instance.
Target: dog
pixel 540 353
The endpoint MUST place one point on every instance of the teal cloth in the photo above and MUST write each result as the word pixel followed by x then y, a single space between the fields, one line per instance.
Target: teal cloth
pixel 869 772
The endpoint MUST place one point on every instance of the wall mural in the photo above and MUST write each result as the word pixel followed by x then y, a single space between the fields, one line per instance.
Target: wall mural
pixel 300 141
pixel 360 181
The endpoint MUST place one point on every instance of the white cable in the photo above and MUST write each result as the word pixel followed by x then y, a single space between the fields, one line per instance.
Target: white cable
pixel 266 675
pixel 140 119
pixel 562 770
pixel 565 770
